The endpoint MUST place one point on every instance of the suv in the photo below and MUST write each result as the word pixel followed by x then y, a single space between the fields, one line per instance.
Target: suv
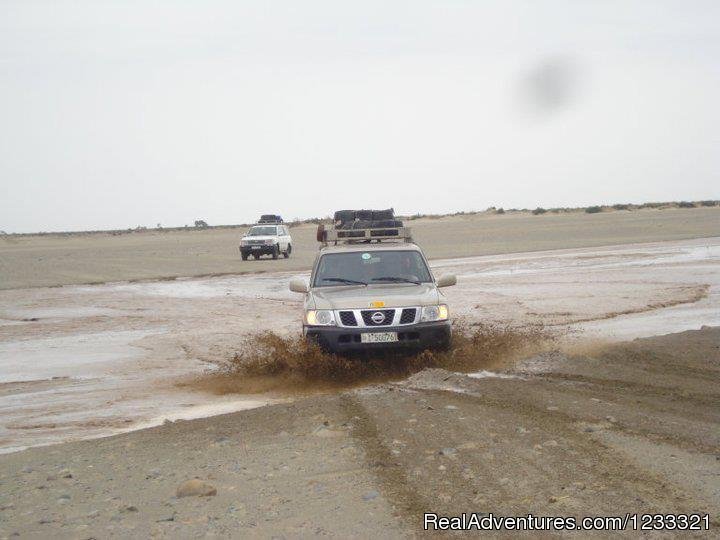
pixel 364 295
pixel 266 240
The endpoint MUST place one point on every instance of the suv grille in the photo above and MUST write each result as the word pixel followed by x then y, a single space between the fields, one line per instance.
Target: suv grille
pixel 408 315
pixel 347 318
pixel 388 315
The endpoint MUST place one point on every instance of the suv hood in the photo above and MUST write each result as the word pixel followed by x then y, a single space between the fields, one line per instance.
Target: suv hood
pixel 359 297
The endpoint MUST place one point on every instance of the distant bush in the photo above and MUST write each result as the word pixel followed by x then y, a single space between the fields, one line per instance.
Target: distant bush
pixel 539 211
pixel 500 211
pixel 621 206
pixel 311 221
pixel 593 209
pixel 709 203
pixel 200 223
pixel 685 204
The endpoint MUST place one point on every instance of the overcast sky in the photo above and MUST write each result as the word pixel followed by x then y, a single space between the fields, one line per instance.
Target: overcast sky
pixel 115 114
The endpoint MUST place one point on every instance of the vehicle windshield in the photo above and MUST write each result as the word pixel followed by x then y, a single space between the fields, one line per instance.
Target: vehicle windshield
pixel 371 267
pixel 262 231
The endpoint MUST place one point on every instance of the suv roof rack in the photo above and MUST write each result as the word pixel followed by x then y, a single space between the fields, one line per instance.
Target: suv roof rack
pixel 358 226
pixel 357 236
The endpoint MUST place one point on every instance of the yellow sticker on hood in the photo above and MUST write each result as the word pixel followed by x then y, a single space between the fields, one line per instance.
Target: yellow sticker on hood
pixel 377 303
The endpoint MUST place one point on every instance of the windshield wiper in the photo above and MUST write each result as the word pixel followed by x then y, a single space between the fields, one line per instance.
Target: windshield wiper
pixel 397 279
pixel 343 280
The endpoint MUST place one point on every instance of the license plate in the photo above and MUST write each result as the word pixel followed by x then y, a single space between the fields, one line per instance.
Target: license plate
pixel 379 337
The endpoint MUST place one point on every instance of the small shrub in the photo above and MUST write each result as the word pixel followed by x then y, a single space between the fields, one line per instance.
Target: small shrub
pixel 685 204
pixel 709 203
pixel 593 209
pixel 538 211
pixel 621 206
pixel 500 211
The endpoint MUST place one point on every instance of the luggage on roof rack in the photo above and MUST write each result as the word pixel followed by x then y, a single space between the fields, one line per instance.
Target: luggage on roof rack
pixel 270 218
pixel 365 219
pixel 364 226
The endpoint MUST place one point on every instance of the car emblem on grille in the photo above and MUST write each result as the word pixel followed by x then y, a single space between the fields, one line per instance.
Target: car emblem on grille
pixel 378 317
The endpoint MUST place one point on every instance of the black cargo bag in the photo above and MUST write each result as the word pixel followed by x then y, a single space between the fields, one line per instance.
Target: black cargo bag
pixel 344 217
pixel 383 215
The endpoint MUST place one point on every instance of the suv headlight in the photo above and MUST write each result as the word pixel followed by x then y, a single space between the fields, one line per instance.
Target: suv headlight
pixel 320 317
pixel 434 313
pixel 269 242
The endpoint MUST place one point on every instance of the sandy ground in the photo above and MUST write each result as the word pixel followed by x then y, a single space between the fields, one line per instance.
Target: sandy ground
pixel 630 428
pixel 41 261
pixel 592 427
pixel 83 361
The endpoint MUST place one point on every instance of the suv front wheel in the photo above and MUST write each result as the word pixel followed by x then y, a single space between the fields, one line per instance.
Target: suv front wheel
pixel 276 251
pixel 288 251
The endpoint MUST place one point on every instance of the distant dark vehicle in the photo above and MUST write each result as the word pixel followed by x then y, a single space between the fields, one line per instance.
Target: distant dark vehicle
pixel 270 218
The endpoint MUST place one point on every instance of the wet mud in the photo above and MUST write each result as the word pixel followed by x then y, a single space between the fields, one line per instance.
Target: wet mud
pixel 268 362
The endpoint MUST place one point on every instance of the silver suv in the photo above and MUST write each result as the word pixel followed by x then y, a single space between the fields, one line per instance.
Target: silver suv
pixel 266 240
pixel 368 295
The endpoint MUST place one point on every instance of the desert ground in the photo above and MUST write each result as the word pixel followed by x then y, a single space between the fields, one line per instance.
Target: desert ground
pixel 590 389
pixel 82 258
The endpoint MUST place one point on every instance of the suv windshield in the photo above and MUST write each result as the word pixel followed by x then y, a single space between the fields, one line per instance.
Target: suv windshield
pixel 371 267
pixel 262 231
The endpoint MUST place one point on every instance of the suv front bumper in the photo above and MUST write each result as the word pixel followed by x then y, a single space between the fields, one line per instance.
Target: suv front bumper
pixel 427 335
pixel 258 250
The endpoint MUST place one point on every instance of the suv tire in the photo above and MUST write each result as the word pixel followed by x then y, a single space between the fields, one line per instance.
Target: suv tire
pixel 276 251
pixel 244 255
pixel 288 251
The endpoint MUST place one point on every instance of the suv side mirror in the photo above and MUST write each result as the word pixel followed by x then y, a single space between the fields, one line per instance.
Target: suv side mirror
pixel 447 280
pixel 298 285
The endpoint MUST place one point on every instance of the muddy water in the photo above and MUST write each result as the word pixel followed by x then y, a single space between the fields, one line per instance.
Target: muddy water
pixel 88 361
